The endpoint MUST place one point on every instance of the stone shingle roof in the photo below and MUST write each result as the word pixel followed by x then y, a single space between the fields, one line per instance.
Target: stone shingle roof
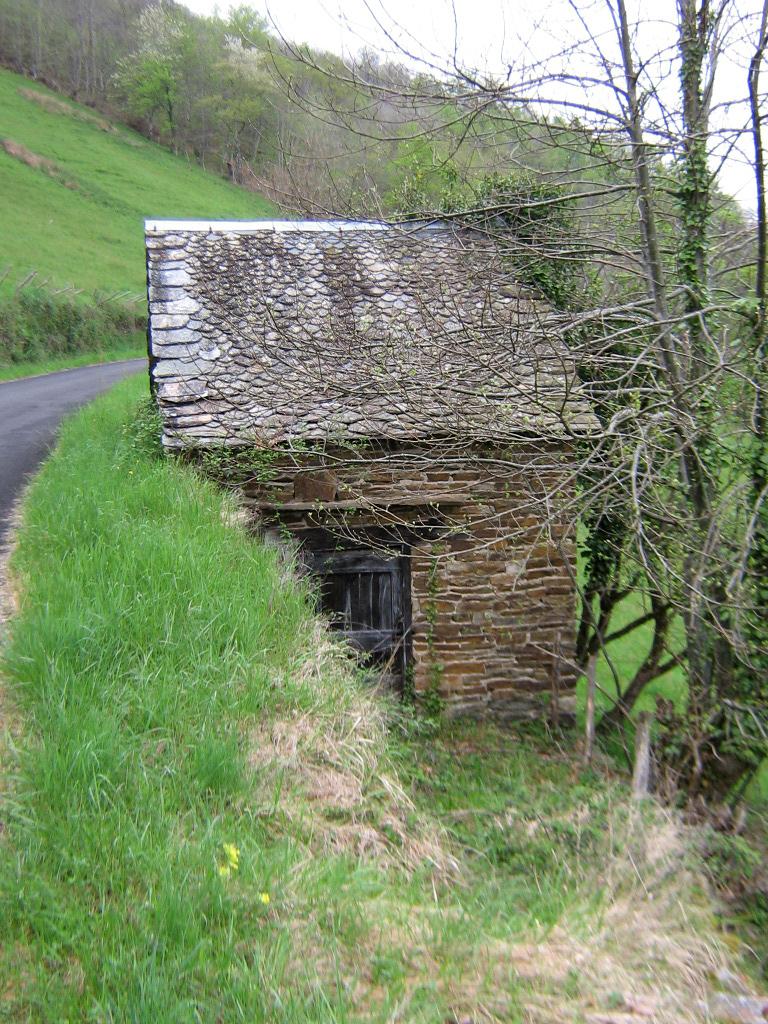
pixel 272 331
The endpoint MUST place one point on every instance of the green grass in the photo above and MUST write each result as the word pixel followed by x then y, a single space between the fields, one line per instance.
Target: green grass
pixel 131 350
pixel 625 656
pixel 170 693
pixel 89 231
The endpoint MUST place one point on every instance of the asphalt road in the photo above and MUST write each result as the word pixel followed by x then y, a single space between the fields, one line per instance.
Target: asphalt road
pixel 31 410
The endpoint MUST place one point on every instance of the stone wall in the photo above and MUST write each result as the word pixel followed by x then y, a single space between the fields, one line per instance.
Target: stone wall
pixel 492 558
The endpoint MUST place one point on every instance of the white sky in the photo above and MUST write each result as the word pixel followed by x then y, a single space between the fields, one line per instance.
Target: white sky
pixel 492 34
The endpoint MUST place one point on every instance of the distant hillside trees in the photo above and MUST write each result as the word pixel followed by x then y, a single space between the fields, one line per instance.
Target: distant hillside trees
pixel 72 45
pixel 225 92
pixel 151 77
pixel 201 85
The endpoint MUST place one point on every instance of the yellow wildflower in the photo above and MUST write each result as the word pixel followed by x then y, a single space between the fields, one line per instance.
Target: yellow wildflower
pixel 223 870
pixel 232 853
pixel 264 897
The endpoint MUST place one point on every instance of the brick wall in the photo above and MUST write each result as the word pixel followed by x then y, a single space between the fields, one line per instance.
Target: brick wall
pixel 492 557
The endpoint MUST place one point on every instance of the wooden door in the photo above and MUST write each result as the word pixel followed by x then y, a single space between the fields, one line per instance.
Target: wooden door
pixel 367 598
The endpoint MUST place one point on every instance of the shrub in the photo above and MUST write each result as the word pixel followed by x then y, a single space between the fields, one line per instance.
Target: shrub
pixel 36 324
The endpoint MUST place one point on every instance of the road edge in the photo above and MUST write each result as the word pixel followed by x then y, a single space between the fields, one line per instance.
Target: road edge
pixel 70 369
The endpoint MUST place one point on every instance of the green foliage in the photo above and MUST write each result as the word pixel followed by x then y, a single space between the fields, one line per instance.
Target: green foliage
pixel 143 432
pixel 694 193
pixel 531 219
pixel 151 78
pixel 232 466
pixel 248 27
pixel 736 865
pixel 36 324
pixel 695 211
pixel 151 88
pixel 431 702
pixel 408 695
pixel 199 84
pixel 732 859
pixel 537 218
pixel 600 546
pixel 160 859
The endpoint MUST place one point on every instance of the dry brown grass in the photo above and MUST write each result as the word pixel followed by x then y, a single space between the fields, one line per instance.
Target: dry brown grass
pixel 56 106
pixel 650 955
pixel 26 156
pixel 9 590
pixel 647 953
pixel 333 757
pixel 37 162
pixel 10 733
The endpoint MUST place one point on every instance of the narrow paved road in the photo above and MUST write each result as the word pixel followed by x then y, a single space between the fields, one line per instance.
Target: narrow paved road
pixel 30 412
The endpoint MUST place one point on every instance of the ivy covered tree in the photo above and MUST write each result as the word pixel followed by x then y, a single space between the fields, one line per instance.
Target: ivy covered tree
pixel 659 284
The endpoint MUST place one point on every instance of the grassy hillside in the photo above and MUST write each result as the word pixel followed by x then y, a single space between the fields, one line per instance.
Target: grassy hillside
pixel 74 190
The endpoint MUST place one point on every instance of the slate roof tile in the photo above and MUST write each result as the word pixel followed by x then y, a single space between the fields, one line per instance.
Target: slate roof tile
pixel 322 330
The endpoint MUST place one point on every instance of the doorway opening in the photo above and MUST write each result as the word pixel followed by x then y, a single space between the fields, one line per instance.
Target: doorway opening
pixel 366 595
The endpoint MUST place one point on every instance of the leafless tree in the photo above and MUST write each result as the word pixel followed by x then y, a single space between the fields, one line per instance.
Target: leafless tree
pixel 631 129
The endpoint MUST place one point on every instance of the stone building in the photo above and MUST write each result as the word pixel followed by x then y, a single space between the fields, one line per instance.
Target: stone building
pixel 390 399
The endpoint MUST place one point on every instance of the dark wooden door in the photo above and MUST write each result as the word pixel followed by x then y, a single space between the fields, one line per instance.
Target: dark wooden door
pixel 366 597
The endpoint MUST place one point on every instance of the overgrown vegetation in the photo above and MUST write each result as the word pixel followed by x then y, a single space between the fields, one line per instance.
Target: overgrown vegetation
pixel 532 219
pixel 206 816
pixel 38 325
pixel 673 491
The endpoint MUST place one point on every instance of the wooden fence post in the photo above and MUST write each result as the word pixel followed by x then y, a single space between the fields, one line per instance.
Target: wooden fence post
pixel 555 704
pixel 589 733
pixel 641 776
